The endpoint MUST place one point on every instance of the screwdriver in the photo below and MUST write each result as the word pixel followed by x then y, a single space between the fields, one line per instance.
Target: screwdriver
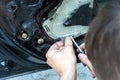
pixel 80 51
pixel 88 63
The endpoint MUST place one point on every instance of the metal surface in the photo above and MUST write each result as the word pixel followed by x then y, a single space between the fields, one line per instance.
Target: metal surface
pixel 83 73
pixel 23 38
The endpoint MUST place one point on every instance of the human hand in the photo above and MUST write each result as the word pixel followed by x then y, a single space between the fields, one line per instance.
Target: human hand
pixel 84 59
pixel 82 46
pixel 61 57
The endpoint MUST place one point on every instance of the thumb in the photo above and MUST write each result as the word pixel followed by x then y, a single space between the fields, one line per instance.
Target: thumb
pixel 68 42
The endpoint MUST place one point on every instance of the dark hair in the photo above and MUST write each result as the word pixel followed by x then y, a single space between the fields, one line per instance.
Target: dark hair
pixel 103 42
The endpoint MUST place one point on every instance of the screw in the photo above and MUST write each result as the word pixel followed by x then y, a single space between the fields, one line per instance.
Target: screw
pixel 24 35
pixel 40 41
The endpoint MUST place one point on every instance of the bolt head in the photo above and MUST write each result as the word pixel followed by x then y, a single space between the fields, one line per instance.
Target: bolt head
pixel 40 41
pixel 24 35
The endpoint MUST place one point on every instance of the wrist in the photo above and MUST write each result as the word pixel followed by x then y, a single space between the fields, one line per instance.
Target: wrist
pixel 69 74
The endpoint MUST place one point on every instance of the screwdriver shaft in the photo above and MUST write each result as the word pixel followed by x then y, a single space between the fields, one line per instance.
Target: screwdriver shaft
pixel 76 44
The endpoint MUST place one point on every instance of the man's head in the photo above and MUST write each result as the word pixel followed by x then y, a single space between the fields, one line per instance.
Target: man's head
pixel 103 42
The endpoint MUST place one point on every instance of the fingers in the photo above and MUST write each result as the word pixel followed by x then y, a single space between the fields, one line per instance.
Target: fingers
pixel 59 46
pixel 68 42
pixel 82 46
pixel 56 46
pixel 84 59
